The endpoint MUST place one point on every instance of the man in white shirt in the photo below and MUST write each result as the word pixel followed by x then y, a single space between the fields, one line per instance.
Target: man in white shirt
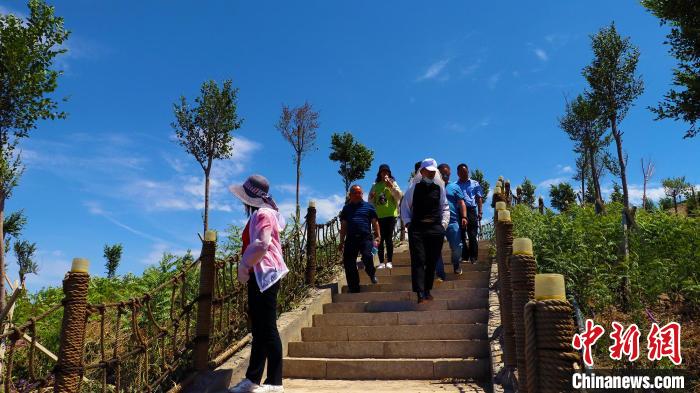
pixel 426 213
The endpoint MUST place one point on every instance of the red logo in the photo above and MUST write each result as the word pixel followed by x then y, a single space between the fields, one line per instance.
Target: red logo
pixel 585 341
pixel 665 342
pixel 625 342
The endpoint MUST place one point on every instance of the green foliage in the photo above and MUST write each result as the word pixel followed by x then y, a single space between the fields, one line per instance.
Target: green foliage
pixel 674 188
pixel 616 194
pixel 682 103
pixel 113 255
pixel 24 251
pixel 354 158
pixel 528 193
pixel 561 196
pixel 478 175
pixel 205 130
pixel 583 246
pixel 665 203
pixel 614 86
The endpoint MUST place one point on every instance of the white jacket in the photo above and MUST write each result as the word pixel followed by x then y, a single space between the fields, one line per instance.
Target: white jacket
pixel 407 202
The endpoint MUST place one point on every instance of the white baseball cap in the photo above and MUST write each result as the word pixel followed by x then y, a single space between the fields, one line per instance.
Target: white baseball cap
pixel 429 164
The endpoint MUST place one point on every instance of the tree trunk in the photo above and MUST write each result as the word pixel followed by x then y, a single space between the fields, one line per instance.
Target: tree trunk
pixel 2 251
pixel 621 162
pixel 596 181
pixel 583 180
pixel 206 200
pixel 298 211
pixel 675 204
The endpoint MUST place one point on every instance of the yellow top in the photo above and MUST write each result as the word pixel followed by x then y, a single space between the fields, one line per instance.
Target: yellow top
pixel 549 286
pixel 210 236
pixel 500 205
pixel 503 215
pixel 499 184
pixel 522 246
pixel 80 265
pixel 497 190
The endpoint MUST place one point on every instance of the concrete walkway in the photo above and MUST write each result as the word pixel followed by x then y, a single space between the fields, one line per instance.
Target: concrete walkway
pixel 333 386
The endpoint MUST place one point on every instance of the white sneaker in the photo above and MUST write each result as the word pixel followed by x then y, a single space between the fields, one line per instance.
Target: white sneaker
pixel 360 265
pixel 270 388
pixel 381 266
pixel 246 386
pixel 389 265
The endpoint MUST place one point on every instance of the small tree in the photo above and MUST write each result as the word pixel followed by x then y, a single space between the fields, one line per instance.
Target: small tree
pixel 298 127
pixel 614 86
pixel 478 175
pixel 683 103
pixel 665 203
pixel 674 188
pixel 616 194
pixel 24 251
pixel 528 192
pixel 205 130
pixel 561 196
pixel 647 173
pixel 113 255
pixel 28 49
pixel 354 158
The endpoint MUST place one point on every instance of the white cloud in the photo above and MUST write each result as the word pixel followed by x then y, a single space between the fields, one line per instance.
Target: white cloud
pixel 158 249
pixel 493 80
pixel 471 68
pixel 552 181
pixel 564 169
pixel 326 207
pixel 455 127
pixel 96 209
pixel 291 188
pixel 434 70
pixel 541 54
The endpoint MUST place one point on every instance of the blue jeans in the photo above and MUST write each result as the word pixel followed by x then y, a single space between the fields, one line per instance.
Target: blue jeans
pixel 454 239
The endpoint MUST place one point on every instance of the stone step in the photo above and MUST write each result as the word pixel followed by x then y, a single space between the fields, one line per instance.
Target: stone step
pixel 404 258
pixel 384 369
pixel 408 295
pixel 395 332
pixel 439 317
pixel 405 269
pixel 364 279
pixel 423 349
pixel 405 305
pixel 406 286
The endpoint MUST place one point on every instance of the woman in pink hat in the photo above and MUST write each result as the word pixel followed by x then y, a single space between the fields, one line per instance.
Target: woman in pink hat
pixel 262 266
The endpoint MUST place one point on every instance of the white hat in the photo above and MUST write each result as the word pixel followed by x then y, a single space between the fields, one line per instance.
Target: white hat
pixel 429 164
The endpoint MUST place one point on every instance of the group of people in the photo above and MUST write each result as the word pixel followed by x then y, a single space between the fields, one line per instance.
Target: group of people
pixel 432 209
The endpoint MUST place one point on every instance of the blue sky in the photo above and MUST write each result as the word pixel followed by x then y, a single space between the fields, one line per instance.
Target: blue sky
pixel 476 82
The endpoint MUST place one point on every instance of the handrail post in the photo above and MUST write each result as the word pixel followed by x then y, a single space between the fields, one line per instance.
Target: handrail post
pixel 69 367
pixel 311 244
pixel 204 301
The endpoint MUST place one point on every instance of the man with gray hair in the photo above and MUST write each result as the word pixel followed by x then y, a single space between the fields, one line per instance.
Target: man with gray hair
pixel 424 210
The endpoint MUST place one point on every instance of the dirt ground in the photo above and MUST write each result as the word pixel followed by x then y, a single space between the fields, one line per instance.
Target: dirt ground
pixel 331 386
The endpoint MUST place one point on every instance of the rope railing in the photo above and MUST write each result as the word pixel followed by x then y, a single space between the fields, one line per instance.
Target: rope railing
pixel 191 321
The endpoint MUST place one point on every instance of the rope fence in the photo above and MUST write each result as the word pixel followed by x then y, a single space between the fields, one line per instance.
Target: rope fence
pixel 193 320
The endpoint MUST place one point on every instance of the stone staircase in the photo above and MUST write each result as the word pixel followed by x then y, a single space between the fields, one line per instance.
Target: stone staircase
pixel 382 333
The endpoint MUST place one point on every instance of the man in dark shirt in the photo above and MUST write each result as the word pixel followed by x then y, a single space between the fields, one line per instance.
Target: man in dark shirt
pixel 356 222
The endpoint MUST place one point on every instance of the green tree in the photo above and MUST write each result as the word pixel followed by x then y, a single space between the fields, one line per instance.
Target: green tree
pixel 298 127
pixel 528 192
pixel 616 194
pixel 674 188
pixel 24 251
pixel 28 49
pixel 113 255
pixel 581 121
pixel 354 157
pixel 478 175
pixel 205 130
pixel 665 203
pixel 561 196
pixel 682 103
pixel 614 86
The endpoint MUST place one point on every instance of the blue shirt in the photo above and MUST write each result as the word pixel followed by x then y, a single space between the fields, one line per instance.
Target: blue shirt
pixel 471 189
pixel 359 218
pixel 454 195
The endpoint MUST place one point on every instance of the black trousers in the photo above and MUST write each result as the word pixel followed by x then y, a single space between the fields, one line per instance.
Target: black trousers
pixel 470 251
pixel 386 230
pixel 355 244
pixel 267 346
pixel 425 247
